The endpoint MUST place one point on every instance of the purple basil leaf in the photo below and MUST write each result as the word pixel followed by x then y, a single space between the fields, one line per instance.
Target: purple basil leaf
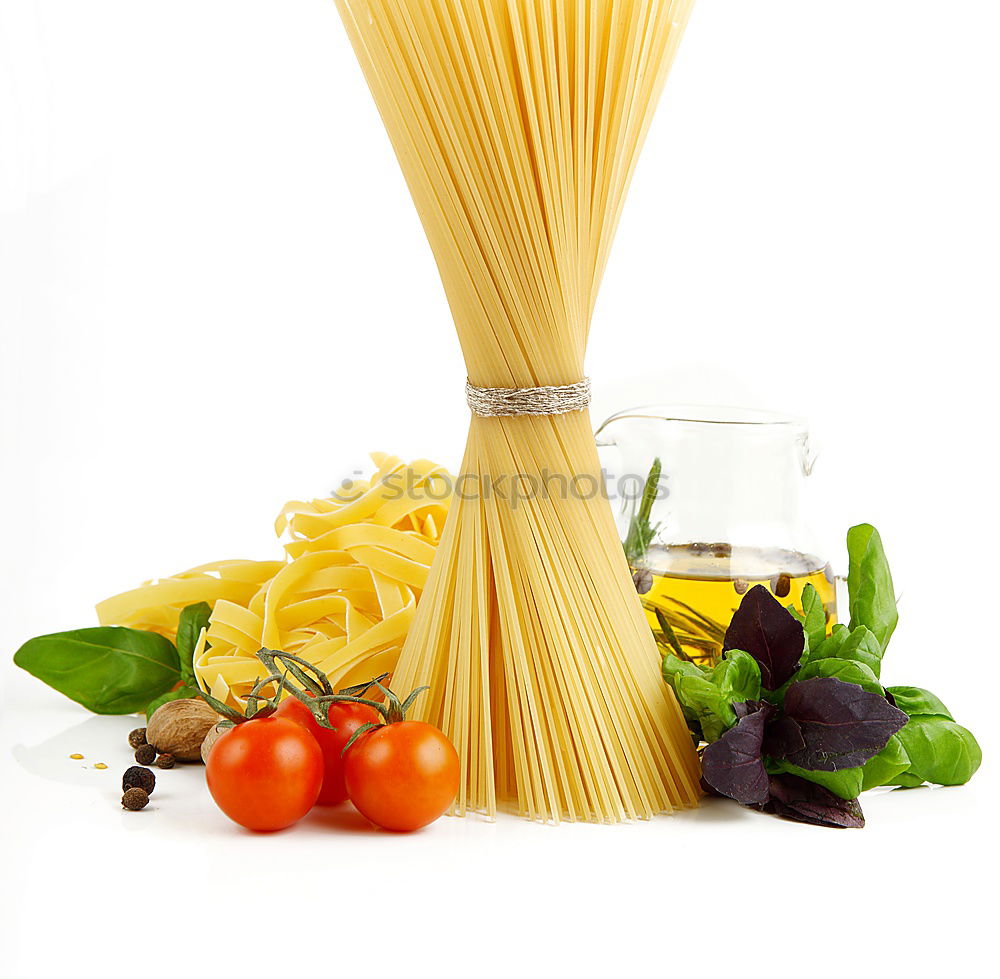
pixel 841 725
pixel 744 708
pixel 733 765
pixel 806 802
pixel 767 631
pixel 784 737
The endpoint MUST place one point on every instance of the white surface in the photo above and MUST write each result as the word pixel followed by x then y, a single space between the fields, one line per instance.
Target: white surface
pixel 215 296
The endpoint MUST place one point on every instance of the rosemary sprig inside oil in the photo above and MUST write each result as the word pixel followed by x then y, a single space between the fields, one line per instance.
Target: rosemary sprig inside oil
pixel 641 532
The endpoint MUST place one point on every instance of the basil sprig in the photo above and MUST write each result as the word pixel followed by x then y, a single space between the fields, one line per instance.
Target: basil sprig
pixel 809 726
pixel 115 670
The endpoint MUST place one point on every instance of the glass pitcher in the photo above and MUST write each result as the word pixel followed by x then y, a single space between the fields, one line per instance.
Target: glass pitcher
pixel 709 503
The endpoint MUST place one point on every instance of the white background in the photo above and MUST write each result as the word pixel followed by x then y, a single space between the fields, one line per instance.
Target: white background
pixel 215 296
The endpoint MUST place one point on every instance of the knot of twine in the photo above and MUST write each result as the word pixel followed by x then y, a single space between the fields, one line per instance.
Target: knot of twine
pixel 550 400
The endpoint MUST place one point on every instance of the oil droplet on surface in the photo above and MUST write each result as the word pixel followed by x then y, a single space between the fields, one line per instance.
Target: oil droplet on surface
pixel 76 756
pixel 100 765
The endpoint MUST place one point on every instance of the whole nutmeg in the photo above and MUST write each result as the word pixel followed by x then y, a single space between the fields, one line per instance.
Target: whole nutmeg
pixel 178 728
pixel 213 735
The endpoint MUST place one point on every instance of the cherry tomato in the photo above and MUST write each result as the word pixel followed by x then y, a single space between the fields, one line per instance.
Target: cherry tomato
pixel 346 718
pixel 402 776
pixel 265 774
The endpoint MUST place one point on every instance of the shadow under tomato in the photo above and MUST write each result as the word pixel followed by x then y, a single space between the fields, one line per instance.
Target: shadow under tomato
pixel 343 818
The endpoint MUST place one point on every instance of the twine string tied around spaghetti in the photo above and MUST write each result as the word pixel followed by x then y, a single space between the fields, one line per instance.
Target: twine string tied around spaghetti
pixel 551 399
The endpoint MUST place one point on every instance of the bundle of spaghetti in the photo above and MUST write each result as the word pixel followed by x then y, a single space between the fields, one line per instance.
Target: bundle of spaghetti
pixel 517 124
pixel 343 597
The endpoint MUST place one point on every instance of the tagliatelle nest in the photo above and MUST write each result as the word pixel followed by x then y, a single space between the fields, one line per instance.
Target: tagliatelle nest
pixel 343 599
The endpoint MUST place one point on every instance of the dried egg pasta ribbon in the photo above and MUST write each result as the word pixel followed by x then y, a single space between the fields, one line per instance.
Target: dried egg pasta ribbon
pixel 345 599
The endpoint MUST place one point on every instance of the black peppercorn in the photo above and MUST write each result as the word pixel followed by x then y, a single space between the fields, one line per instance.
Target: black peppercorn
pixel 145 755
pixel 165 761
pixel 141 778
pixel 781 585
pixel 137 738
pixel 135 799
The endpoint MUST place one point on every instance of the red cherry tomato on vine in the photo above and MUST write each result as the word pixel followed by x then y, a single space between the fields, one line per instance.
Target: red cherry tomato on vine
pixel 265 774
pixel 402 776
pixel 346 718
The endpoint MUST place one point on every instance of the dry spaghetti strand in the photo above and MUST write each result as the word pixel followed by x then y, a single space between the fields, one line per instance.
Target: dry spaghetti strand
pixel 517 124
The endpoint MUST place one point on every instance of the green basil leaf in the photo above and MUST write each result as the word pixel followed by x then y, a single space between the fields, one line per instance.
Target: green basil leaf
pixel 862 646
pixel 857 644
pixel 813 616
pixel 109 669
pixel 940 750
pixel 832 644
pixel 846 783
pixel 869 584
pixel 712 711
pixel 847 670
pixel 673 669
pixel 891 762
pixel 700 699
pixel 905 781
pixel 737 677
pixel 915 701
pixel 674 666
pixel 193 619
pixel 181 693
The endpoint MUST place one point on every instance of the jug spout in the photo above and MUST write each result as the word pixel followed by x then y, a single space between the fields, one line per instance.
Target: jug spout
pixel 604 437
